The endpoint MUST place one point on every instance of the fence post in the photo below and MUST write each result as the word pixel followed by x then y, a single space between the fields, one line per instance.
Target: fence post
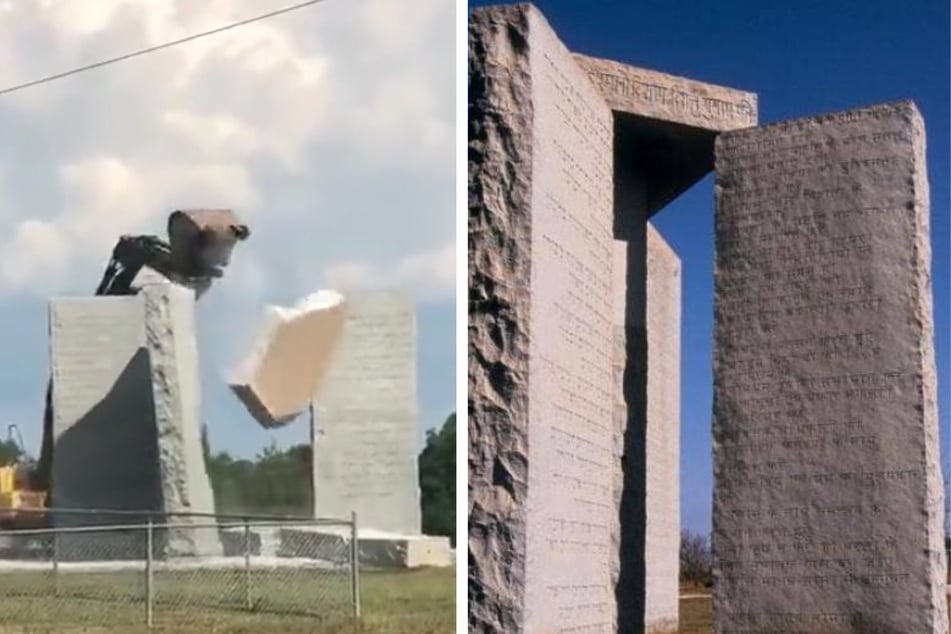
pixel 55 562
pixel 354 565
pixel 247 565
pixel 148 574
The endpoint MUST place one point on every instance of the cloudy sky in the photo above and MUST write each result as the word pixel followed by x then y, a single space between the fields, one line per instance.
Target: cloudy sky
pixel 329 130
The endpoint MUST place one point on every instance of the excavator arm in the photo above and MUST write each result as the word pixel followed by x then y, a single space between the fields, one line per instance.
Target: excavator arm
pixel 197 251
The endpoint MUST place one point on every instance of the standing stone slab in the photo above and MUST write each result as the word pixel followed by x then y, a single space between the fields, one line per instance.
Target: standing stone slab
pixel 828 494
pixel 125 405
pixel 543 448
pixel 662 500
pixel 365 449
pixel 176 394
pixel 106 456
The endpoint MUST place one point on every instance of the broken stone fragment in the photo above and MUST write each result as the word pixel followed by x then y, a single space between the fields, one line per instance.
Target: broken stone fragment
pixel 291 355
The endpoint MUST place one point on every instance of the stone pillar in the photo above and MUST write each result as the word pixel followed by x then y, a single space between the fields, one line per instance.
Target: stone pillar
pixel 366 441
pixel 543 449
pixel 170 338
pixel 828 493
pixel 126 430
pixel 662 442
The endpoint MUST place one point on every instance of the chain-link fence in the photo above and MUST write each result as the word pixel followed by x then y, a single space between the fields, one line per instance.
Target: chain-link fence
pixel 184 569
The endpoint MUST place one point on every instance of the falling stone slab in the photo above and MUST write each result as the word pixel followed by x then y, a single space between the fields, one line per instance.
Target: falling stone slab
pixel 366 442
pixel 828 500
pixel 125 407
pixel 291 357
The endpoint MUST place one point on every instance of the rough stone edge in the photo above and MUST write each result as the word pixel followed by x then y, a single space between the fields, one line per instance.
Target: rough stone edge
pixel 501 114
pixel 700 88
pixel 934 482
pixel 164 338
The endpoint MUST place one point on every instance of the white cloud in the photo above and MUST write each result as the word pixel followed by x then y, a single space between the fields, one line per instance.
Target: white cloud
pixel 328 130
pixel 219 121
pixel 430 274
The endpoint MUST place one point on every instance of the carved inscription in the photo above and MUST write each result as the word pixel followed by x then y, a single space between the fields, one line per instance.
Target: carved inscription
pixel 677 99
pixel 571 509
pixel 93 342
pixel 365 444
pixel 821 465
pixel 653 94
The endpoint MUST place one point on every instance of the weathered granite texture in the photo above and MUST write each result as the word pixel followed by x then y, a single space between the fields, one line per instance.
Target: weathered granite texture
pixel 365 445
pixel 126 420
pixel 290 358
pixel 542 448
pixel 176 396
pixel 670 98
pixel 662 500
pixel 664 127
pixel 573 416
pixel 828 493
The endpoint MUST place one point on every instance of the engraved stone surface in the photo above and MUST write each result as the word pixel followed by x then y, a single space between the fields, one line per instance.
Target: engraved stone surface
pixel 676 99
pixel 543 462
pixel 828 494
pixel 106 455
pixel 126 421
pixel 291 356
pixel 662 499
pixel 365 446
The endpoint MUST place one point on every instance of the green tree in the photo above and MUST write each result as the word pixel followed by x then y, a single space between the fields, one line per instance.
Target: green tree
pixel 437 480
pixel 10 452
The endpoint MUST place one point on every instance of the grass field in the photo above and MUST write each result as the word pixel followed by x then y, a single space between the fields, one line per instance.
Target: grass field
pixel 405 602
pixel 696 616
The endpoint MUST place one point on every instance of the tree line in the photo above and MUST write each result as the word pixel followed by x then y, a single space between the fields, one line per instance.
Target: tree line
pixel 278 482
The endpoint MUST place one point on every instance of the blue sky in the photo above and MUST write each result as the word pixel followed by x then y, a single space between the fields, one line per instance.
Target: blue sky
pixel 804 57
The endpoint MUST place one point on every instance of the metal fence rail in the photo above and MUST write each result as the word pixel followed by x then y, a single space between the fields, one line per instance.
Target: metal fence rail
pixel 182 569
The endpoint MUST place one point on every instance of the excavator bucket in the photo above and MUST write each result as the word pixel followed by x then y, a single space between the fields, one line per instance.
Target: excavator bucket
pixel 201 240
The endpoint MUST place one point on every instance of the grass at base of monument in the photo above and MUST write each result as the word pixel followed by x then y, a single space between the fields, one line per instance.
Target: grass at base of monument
pixel 696 616
pixel 405 602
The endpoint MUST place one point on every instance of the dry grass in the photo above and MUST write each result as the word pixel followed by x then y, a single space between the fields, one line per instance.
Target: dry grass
pixel 696 616
pixel 406 602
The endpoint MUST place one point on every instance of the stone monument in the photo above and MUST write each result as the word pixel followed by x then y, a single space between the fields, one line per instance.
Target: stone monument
pixel 126 399
pixel 365 442
pixel 828 495
pixel 574 327
pixel 366 432
pixel 828 502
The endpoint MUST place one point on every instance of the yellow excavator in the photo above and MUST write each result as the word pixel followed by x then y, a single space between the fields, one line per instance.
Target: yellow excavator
pixel 199 246
pixel 18 500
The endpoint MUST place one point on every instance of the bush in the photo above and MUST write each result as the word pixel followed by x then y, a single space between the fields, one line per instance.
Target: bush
pixel 695 559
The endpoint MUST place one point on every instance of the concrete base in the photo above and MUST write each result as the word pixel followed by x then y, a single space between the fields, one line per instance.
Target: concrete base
pixel 377 549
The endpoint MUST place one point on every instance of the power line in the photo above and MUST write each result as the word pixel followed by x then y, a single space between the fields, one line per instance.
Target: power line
pixel 159 47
